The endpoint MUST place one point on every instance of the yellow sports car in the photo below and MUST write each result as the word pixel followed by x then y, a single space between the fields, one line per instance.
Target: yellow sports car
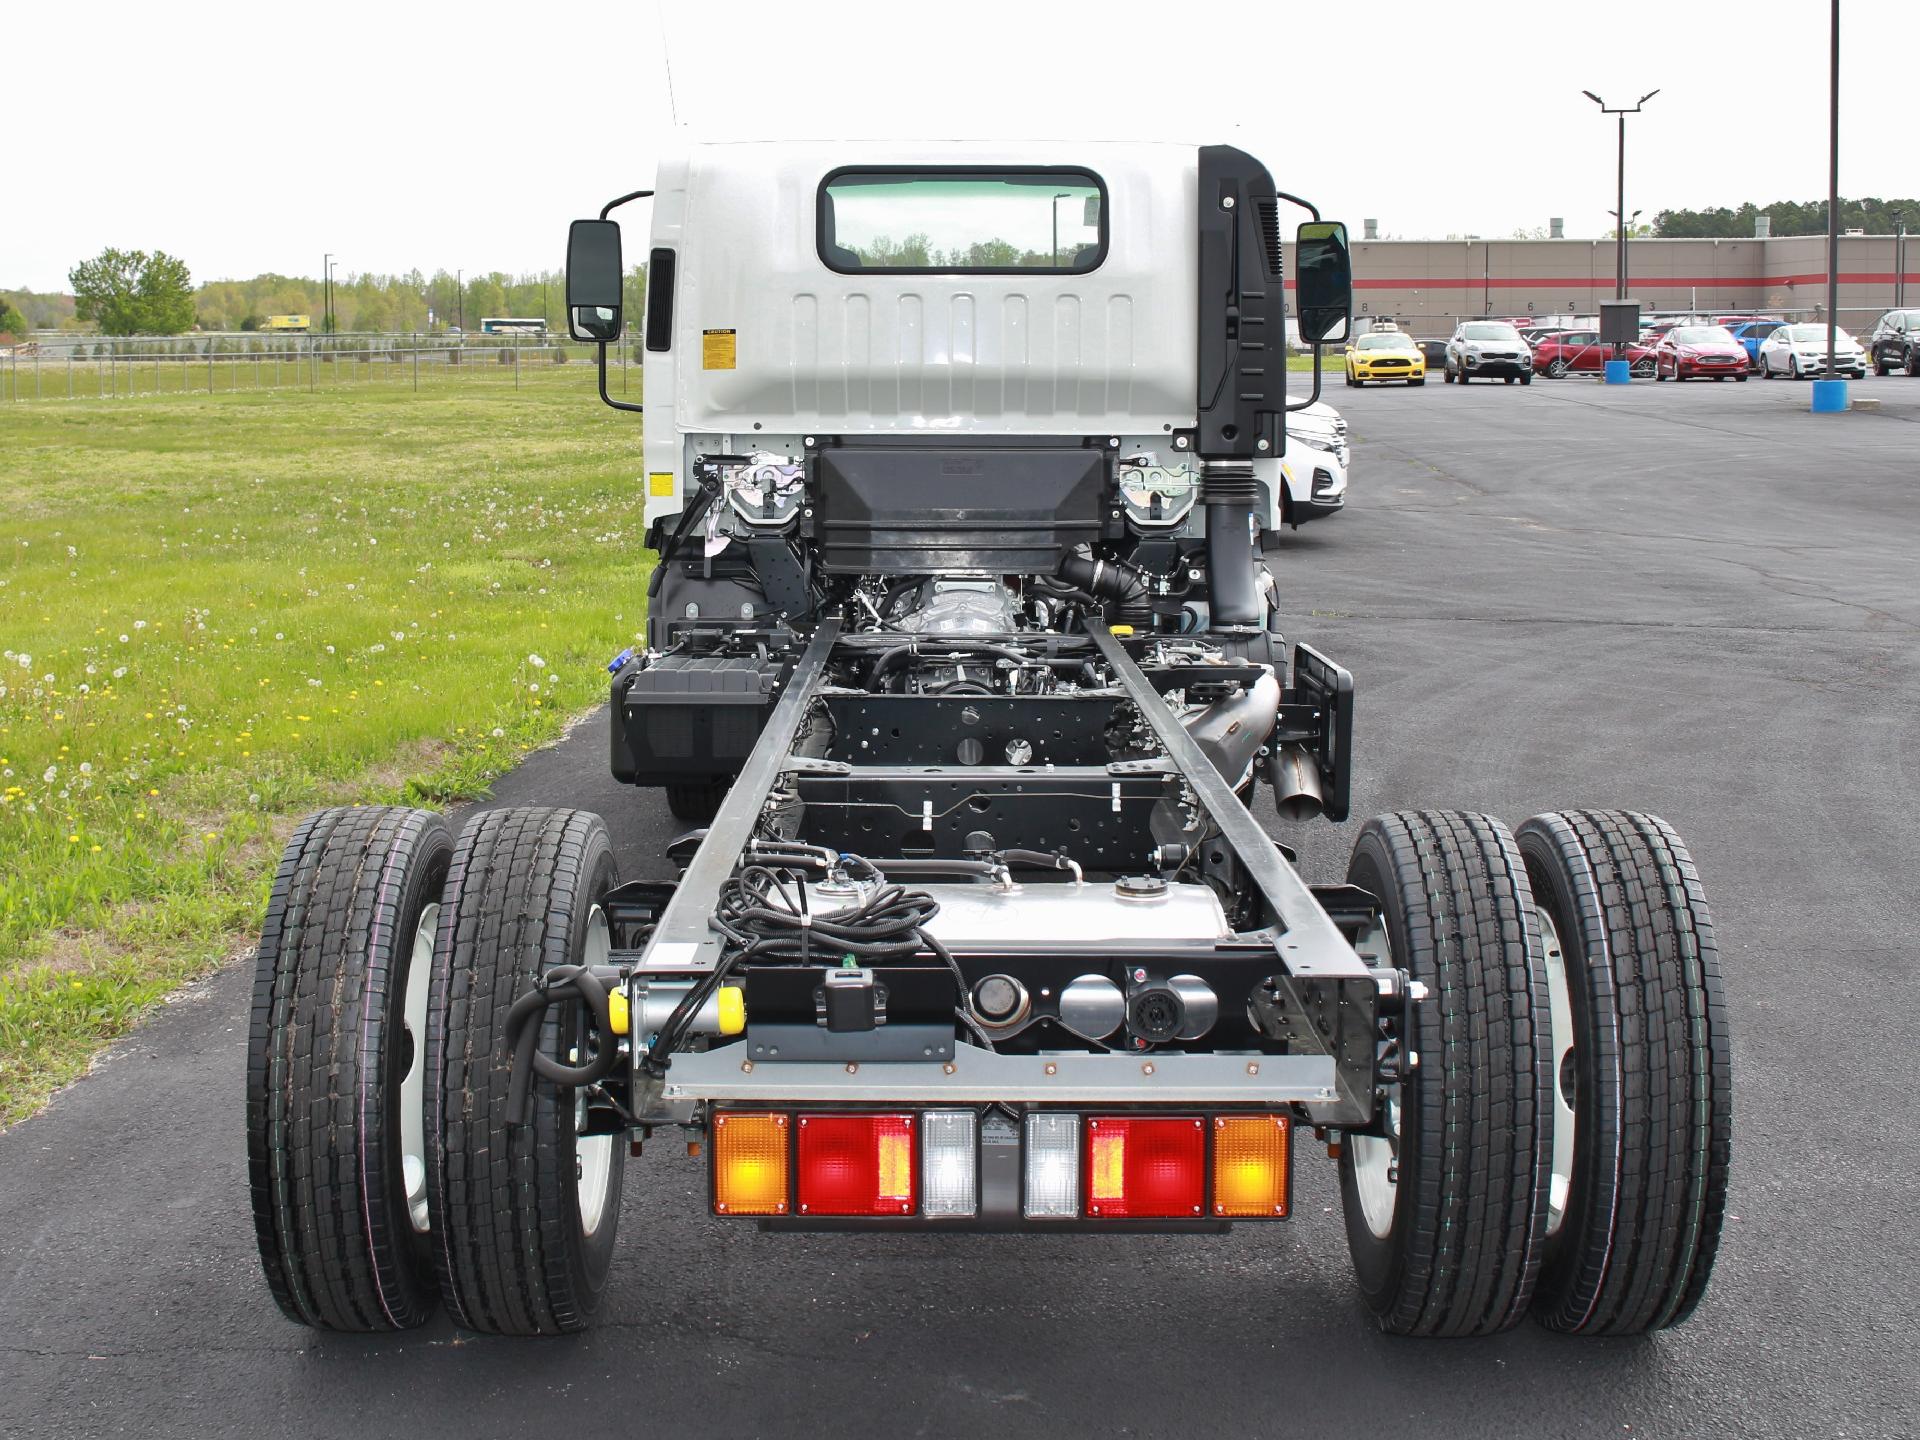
pixel 1385 355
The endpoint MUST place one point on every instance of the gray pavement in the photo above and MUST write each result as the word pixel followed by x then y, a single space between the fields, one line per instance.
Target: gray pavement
pixel 1699 600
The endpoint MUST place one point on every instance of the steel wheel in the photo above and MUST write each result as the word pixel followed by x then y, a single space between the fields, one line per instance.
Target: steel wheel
pixel 413 1084
pixel 593 1154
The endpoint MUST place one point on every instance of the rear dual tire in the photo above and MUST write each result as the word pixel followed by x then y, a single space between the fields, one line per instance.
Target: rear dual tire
pixel 385 1168
pixel 1640 1186
pixel 525 1207
pixel 1445 1209
pixel 1562 1144
pixel 334 1069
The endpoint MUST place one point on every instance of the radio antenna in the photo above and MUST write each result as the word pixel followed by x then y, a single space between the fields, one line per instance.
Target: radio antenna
pixel 666 54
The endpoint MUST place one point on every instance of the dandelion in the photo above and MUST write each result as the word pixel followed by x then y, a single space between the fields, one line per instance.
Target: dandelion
pixel 536 662
pixel 52 772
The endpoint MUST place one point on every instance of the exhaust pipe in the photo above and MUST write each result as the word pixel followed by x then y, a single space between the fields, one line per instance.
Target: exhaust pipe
pixel 1296 784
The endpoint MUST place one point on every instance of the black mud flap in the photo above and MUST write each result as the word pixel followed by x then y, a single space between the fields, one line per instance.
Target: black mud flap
pixel 1319 706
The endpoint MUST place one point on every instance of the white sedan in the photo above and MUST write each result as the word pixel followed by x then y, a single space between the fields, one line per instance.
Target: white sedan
pixel 1313 471
pixel 1800 351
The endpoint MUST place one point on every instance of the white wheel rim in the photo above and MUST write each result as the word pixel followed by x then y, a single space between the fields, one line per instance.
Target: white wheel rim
pixel 1376 1159
pixel 413 1085
pixel 1560 1014
pixel 593 1154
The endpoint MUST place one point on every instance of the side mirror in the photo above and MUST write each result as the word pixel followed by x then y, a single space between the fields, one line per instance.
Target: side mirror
pixel 1323 283
pixel 594 276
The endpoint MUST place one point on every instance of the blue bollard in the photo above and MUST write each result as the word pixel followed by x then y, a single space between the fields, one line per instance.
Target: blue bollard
pixel 1829 397
pixel 1619 372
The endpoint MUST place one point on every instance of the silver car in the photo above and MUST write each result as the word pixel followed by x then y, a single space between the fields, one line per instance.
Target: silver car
pixel 1488 348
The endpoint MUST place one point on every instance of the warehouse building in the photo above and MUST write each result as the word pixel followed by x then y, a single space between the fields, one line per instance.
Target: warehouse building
pixel 1430 285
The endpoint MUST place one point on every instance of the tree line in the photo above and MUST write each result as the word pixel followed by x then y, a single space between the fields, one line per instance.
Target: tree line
pixel 1787 217
pixel 133 292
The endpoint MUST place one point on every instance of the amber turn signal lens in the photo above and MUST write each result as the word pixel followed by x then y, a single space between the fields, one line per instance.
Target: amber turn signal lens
pixel 750 1166
pixel 1250 1166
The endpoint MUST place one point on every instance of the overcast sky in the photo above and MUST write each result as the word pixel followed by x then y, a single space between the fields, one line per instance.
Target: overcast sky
pixel 465 136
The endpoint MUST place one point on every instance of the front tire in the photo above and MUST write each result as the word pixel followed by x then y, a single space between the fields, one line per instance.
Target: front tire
pixel 1445 1209
pixel 334 1065
pixel 526 1208
pixel 1640 1186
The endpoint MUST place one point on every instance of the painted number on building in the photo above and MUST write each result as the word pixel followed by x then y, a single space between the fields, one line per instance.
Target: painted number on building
pixel 716 349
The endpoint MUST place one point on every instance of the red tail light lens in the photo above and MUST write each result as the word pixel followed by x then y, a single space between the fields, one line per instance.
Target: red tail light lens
pixel 1137 1168
pixel 855 1164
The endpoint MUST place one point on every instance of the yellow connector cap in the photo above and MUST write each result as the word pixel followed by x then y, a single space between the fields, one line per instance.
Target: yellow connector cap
pixel 733 1009
pixel 618 1012
pixel 1122 630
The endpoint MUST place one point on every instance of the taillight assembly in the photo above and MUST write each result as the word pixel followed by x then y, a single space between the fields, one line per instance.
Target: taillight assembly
pixel 750 1173
pixel 855 1164
pixel 928 1163
pixel 1140 1168
pixel 1250 1166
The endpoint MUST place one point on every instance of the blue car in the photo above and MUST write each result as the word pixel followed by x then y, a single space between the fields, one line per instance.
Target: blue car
pixel 1750 333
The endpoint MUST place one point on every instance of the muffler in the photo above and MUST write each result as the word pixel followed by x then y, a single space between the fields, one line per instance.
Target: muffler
pixel 1296 784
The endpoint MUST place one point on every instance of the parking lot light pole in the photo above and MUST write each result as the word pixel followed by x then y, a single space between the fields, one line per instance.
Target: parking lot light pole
pixel 1830 392
pixel 1620 213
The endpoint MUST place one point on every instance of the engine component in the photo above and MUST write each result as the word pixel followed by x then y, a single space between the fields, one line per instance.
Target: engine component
pixel 1092 1007
pixel 1231 731
pixel 1118 580
pixel 962 607
pixel 1229 489
pixel 1296 784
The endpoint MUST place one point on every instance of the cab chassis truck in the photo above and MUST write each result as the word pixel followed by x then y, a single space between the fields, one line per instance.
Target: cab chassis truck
pixel 962 670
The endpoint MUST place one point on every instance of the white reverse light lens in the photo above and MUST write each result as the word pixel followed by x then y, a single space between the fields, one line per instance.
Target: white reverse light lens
pixel 949 1183
pixel 1053 1167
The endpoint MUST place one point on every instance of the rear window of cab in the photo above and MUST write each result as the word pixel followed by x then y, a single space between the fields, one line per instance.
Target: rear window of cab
pixel 932 220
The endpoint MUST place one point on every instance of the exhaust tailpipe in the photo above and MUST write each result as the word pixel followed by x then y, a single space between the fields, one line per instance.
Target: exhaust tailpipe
pixel 1296 784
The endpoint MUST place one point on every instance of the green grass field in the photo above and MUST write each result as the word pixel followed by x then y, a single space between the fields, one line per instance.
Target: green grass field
pixel 217 613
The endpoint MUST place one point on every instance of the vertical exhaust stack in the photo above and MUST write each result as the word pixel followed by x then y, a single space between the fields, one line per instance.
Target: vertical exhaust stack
pixel 1242 396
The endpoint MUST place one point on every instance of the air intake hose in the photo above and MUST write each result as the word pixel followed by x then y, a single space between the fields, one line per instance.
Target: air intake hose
pixel 1228 490
pixel 1116 580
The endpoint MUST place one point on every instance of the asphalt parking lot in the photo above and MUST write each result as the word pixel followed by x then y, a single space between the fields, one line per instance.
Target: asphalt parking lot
pixel 1697 599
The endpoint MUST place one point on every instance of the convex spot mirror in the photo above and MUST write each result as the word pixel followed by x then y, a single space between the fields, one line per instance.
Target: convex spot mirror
pixel 593 280
pixel 1323 285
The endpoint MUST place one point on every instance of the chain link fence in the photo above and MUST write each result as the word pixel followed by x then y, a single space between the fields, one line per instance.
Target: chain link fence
pixel 88 369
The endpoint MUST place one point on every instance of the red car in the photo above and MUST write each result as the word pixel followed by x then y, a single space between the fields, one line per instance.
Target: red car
pixel 1554 355
pixel 1692 352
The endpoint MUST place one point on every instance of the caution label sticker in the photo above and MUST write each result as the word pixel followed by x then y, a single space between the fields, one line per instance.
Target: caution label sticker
pixel 660 482
pixel 717 349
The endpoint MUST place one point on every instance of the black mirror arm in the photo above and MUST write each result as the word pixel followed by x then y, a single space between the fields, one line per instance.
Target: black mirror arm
pixel 642 409
pixel 613 205
pixel 1313 210
pixel 606 210
pixel 1306 205
pixel 1315 396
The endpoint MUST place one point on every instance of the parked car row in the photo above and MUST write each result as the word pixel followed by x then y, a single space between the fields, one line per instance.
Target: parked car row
pixel 1698 348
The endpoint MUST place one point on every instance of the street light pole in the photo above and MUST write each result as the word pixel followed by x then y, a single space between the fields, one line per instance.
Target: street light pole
pixel 326 293
pixel 1620 215
pixel 460 297
pixel 1833 193
pixel 1055 207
